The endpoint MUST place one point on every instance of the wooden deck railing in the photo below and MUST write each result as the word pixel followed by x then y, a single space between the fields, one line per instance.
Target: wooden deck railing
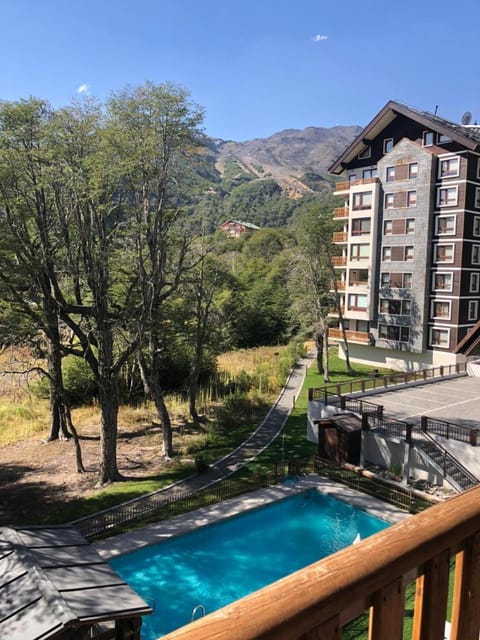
pixel 354 336
pixel 339 261
pixel 345 186
pixel 340 212
pixel 340 236
pixel 318 601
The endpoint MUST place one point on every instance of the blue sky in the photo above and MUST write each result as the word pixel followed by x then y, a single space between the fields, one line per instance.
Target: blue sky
pixel 256 66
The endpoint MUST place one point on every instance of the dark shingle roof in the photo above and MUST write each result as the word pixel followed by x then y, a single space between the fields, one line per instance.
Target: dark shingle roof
pixel 52 580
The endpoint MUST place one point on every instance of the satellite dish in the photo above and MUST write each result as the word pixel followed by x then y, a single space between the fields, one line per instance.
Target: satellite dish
pixel 466 118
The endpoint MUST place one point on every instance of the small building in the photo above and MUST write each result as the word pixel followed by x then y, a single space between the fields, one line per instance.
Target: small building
pixel 340 438
pixel 53 584
pixel 235 228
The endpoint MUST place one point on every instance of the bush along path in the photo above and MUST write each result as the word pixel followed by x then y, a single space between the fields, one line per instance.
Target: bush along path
pixel 261 438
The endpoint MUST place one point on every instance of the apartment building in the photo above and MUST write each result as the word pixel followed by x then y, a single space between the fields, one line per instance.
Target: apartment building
pixel 408 273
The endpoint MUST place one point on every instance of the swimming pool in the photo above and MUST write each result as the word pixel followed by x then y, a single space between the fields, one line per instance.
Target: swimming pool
pixel 218 564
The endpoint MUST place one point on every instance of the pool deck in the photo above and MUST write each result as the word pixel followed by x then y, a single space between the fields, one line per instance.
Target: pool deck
pixel 128 542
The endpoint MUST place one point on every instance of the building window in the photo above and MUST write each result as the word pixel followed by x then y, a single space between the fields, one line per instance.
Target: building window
pixel 445 225
pixel 449 167
pixel 413 170
pixel 440 338
pixel 441 309
pixel 387 227
pixel 410 226
pixel 369 173
pixel 392 332
pixel 474 282
pixel 387 145
pixel 476 225
pixel 389 201
pixel 443 139
pixel 447 196
pixel 362 200
pixel 387 254
pixel 359 252
pixel 444 253
pixel 411 199
pixel 395 307
pixel 409 253
pixel 390 174
pixel 472 309
pixel 360 226
pixel 366 153
pixel 477 197
pixel 357 277
pixel 428 138
pixel 442 282
pixel 396 280
pixel 407 280
pixel 384 279
pixel 478 169
pixel 357 302
pixel 352 177
pixel 475 253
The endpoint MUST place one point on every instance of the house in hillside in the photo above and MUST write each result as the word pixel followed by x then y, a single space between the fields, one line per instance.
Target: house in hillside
pixel 235 228
pixel 408 263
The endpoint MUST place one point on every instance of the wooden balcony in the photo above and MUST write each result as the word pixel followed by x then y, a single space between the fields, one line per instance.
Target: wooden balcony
pixel 340 236
pixel 340 285
pixel 319 600
pixel 340 212
pixel 352 336
pixel 342 187
pixel 339 261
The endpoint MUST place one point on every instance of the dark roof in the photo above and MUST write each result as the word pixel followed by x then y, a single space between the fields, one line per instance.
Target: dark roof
pixel 52 580
pixel 468 136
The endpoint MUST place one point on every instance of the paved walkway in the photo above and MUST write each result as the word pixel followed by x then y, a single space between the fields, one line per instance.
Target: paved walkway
pixel 260 439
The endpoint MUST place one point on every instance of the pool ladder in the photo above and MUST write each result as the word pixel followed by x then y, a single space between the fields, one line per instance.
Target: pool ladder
pixel 199 607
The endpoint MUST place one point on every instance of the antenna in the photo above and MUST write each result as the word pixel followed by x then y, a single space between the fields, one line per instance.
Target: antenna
pixel 466 118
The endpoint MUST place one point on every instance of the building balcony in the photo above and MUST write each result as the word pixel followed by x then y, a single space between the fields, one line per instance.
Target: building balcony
pixel 371 576
pixel 340 236
pixel 334 312
pixel 340 213
pixel 339 261
pixel 343 187
pixel 361 337
pixel 340 285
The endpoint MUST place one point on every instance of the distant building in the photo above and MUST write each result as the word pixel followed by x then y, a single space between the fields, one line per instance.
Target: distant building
pixel 235 228
pixel 408 272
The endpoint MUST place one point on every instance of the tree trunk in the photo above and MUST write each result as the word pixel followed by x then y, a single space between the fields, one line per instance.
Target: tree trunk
pixel 326 375
pixel 108 396
pixel 58 426
pixel 318 337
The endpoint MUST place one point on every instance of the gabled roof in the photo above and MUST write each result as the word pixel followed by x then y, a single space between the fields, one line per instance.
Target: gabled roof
pixel 468 136
pixel 52 580
pixel 247 225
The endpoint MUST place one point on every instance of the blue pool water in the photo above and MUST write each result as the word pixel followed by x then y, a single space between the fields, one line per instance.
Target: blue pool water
pixel 220 563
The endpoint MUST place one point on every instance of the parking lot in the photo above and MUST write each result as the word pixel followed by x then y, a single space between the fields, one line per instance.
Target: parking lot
pixel 456 400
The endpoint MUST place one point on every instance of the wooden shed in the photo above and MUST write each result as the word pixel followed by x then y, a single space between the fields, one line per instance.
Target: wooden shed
pixel 340 438
pixel 53 584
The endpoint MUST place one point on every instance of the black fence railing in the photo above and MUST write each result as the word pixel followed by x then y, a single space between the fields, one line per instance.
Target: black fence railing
pixel 450 430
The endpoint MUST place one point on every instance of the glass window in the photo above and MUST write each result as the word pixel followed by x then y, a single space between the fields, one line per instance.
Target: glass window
pixel 387 227
pixel 395 307
pixel 359 252
pixel 478 168
pixel 442 138
pixel 387 145
pixel 411 199
pixel 409 253
pixel 475 253
pixel 476 226
pixel 360 226
pixel 413 170
pixel 439 337
pixel 447 196
pixel 473 309
pixel 428 138
pixel 477 197
pixel 385 279
pixel 366 153
pixel 442 282
pixel 407 280
pixel 369 173
pixel 357 302
pixel 390 174
pixel 410 225
pixel 445 225
pixel 362 200
pixel 444 253
pixel 389 201
pixel 387 254
pixel 441 309
pixel 352 177
pixel 392 332
pixel 474 282
pixel 449 167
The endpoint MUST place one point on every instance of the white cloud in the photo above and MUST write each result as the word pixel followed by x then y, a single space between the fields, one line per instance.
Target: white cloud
pixel 319 38
pixel 83 88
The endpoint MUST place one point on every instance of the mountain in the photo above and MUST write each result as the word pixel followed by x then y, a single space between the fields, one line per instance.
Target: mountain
pixel 292 158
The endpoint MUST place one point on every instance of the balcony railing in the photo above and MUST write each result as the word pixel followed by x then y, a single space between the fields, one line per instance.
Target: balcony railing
pixel 340 236
pixel 339 261
pixel 340 212
pixel 353 336
pixel 318 601
pixel 340 285
pixel 345 186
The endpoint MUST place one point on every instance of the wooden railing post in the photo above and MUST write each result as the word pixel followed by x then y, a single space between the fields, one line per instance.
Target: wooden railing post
pixel 431 596
pixel 342 403
pixel 466 592
pixel 386 614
